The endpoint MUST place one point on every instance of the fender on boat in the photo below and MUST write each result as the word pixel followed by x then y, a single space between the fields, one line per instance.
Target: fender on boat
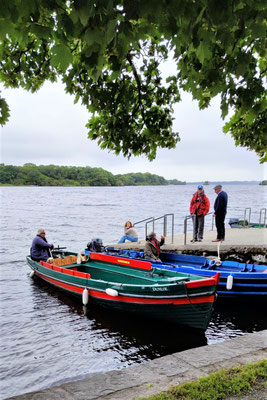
pixel 112 292
pixel 229 283
pixel 85 297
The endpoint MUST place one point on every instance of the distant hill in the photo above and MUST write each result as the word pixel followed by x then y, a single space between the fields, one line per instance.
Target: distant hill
pixel 226 183
pixel 53 175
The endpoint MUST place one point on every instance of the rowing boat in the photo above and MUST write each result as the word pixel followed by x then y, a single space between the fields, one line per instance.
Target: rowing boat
pixel 237 280
pixel 131 286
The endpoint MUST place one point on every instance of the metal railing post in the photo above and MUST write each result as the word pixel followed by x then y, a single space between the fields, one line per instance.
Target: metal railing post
pixel 185 229
pixel 249 215
pixel 194 222
pixel 146 231
pixel 264 218
pixel 165 225
pixel 172 228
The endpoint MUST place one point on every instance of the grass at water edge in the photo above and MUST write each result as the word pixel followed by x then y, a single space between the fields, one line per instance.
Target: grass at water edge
pixel 219 385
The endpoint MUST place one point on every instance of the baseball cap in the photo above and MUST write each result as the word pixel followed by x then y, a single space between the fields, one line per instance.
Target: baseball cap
pixel 200 187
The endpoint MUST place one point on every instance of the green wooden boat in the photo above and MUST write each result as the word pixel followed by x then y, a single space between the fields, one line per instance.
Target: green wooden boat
pixel 131 286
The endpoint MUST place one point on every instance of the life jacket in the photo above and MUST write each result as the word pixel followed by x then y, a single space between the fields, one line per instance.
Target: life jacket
pixel 156 245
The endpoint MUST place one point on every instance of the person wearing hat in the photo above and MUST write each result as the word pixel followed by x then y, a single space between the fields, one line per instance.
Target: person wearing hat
pixel 199 207
pixel 152 247
pixel 220 208
pixel 40 249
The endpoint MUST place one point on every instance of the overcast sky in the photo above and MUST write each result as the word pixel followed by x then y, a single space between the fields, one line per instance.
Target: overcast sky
pixel 48 128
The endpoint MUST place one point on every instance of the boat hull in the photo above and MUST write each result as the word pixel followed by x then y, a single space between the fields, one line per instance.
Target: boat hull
pixel 249 281
pixel 186 303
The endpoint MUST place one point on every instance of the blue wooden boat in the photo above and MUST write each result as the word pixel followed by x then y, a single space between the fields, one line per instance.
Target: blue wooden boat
pixel 237 280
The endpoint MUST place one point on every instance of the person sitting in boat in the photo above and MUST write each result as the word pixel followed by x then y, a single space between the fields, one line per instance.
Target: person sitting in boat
pixel 152 247
pixel 129 233
pixel 40 249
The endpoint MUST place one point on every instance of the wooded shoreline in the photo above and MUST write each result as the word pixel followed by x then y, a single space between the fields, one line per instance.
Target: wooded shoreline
pixel 54 175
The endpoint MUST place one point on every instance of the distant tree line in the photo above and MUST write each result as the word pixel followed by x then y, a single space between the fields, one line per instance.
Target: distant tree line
pixel 53 175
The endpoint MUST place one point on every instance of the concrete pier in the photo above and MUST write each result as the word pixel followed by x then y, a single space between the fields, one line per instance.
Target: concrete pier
pixel 243 240
pixel 160 374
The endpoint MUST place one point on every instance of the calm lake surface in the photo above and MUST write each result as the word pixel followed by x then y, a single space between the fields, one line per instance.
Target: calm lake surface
pixel 46 338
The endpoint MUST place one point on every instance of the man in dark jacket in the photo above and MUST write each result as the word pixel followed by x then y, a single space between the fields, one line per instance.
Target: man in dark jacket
pixel 220 208
pixel 152 247
pixel 40 249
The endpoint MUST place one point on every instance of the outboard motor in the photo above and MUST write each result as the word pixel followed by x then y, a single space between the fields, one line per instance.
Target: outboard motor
pixel 96 245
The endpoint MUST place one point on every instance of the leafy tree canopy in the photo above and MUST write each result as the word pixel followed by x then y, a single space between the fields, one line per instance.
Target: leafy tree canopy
pixel 109 52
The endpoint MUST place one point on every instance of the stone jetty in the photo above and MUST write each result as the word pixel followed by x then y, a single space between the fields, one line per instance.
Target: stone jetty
pixel 240 241
pixel 160 374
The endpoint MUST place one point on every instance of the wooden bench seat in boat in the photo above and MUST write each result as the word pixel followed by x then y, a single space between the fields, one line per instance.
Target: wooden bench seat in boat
pixel 60 262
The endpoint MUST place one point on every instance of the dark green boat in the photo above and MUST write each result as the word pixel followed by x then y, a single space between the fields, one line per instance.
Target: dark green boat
pixel 131 286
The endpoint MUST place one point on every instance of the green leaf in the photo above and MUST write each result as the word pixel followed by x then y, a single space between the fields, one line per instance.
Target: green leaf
pixel 4 111
pixel 110 30
pixel 91 36
pixel 40 31
pixel 5 27
pixel 203 52
pixel 61 56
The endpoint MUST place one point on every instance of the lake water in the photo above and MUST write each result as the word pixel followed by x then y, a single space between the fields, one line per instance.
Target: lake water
pixel 46 338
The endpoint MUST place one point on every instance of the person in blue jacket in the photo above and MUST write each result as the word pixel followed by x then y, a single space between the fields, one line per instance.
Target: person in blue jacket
pixel 40 249
pixel 220 209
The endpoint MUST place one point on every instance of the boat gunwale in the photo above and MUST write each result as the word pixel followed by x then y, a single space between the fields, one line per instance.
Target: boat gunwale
pixel 121 286
pixel 198 298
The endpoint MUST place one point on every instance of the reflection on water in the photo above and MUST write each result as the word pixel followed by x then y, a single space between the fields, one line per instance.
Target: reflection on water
pixel 151 338
pixel 46 338
pixel 230 320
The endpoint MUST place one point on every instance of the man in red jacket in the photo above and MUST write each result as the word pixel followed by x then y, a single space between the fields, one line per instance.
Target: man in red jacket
pixel 199 207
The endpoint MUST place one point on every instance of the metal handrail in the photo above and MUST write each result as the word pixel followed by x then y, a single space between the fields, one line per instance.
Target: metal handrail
pixel 150 219
pixel 193 217
pixel 185 225
pixel 143 220
pixel 153 219
pixel 165 225
pixel 249 216
pixel 264 219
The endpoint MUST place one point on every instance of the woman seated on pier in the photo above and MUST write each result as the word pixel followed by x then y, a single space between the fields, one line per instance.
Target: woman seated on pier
pixel 129 233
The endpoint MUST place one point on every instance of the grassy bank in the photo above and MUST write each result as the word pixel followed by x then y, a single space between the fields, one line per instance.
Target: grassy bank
pixel 219 385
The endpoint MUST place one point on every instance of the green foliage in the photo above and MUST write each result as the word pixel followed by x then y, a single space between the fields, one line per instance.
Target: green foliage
pixel 264 183
pixel 176 182
pixel 219 385
pixel 53 175
pixel 4 111
pixel 109 54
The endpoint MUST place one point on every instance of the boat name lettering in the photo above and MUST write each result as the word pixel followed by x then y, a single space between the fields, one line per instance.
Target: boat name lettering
pixel 160 289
